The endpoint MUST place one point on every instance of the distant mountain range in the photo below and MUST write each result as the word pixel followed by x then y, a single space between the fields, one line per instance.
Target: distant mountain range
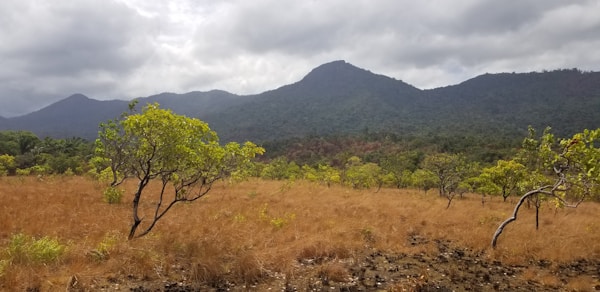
pixel 339 98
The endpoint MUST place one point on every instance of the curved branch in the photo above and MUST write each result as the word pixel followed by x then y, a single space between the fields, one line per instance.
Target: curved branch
pixel 514 215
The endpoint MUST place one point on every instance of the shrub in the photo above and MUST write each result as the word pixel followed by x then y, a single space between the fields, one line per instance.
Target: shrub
pixel 113 195
pixel 23 172
pixel 3 266
pixel 102 251
pixel 24 249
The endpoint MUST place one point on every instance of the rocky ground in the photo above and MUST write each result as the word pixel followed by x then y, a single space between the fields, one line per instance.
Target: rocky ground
pixel 448 269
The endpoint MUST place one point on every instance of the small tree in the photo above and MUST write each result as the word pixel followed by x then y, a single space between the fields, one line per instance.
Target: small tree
pixel 328 174
pixel 567 173
pixel 449 171
pixel 504 178
pixel 399 165
pixel 423 179
pixel 362 175
pixel 182 153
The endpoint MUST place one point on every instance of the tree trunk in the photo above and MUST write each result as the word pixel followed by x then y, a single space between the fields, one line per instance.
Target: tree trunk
pixel 135 205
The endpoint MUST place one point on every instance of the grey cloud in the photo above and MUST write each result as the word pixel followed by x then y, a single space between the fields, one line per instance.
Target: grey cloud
pixel 489 16
pixel 71 37
pixel 129 48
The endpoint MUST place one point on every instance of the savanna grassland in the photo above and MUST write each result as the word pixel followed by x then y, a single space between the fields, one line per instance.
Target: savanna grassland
pixel 263 235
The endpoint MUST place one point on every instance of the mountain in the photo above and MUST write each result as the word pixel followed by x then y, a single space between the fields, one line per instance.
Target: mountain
pixel 80 116
pixel 339 98
pixel 74 116
pixel 333 98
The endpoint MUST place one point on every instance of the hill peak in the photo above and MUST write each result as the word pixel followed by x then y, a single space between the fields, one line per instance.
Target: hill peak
pixel 76 97
pixel 336 68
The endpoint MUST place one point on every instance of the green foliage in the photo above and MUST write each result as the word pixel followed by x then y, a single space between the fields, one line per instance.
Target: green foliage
pixel 581 155
pixel 275 221
pixel 48 156
pixel 7 164
pixel 449 170
pixel 3 266
pixel 328 175
pixel 103 249
pixel 424 179
pixel 113 195
pixel 40 169
pixel 504 178
pixel 399 165
pixel 26 249
pixel 17 142
pixel 281 169
pixel 362 175
pixel 278 222
pixel 23 172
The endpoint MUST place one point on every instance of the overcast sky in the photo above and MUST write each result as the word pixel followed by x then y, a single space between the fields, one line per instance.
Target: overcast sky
pixel 121 49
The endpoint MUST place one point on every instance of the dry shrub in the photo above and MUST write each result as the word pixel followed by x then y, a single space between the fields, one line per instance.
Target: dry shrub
pixel 583 283
pixel 208 273
pixel 247 268
pixel 334 271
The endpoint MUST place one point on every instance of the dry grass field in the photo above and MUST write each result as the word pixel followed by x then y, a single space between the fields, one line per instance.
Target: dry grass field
pixel 278 235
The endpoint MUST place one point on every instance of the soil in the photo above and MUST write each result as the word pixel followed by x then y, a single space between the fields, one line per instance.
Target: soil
pixel 448 269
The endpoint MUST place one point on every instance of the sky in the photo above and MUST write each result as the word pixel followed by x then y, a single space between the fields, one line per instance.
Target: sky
pixel 122 49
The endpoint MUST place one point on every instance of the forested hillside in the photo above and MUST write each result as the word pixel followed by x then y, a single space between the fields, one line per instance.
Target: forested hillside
pixel 338 98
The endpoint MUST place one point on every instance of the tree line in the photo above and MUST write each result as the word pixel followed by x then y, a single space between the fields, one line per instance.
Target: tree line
pixel 23 153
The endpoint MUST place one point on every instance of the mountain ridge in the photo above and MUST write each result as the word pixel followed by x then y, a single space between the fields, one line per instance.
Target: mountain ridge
pixel 340 98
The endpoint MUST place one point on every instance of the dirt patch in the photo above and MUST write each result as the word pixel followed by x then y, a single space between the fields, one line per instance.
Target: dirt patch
pixel 449 268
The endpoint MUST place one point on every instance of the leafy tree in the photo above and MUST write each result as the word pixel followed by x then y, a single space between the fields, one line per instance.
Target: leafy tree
pixel 17 142
pixel 328 174
pixel 362 175
pixel 449 171
pixel 423 179
pixel 504 178
pixel 398 164
pixel 279 168
pixel 566 172
pixel 182 153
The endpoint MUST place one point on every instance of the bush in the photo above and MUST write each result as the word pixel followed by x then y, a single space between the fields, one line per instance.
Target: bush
pixel 3 267
pixel 113 195
pixel 103 249
pixel 23 172
pixel 27 249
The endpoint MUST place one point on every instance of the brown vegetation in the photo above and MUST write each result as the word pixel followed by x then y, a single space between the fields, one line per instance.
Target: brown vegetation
pixel 294 235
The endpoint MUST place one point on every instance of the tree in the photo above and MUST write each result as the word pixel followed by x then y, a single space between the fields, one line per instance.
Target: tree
pixel 504 178
pixel 182 153
pixel 17 142
pixel 449 171
pixel 279 169
pixel 328 174
pixel 362 175
pixel 567 172
pixel 399 165
pixel 423 179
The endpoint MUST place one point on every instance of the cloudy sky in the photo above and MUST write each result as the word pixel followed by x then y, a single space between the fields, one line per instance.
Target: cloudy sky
pixel 121 49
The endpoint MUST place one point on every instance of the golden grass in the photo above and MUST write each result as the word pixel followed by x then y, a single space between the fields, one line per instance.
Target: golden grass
pixel 260 228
